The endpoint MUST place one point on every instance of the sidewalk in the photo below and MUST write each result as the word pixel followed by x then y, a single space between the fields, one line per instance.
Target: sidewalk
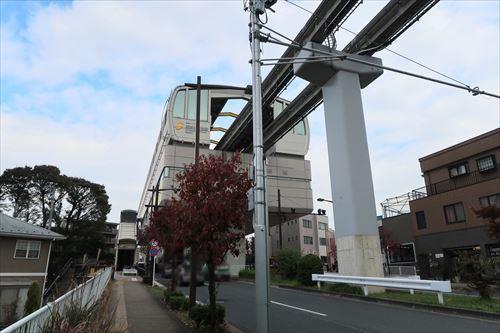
pixel 138 311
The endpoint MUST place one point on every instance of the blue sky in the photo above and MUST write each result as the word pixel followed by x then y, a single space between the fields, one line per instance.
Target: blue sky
pixel 83 84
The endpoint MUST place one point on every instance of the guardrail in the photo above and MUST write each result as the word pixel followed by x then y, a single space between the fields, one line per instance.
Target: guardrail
pixel 439 287
pixel 86 294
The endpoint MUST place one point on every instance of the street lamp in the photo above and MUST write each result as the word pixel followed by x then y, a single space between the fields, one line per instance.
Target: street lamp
pixel 321 200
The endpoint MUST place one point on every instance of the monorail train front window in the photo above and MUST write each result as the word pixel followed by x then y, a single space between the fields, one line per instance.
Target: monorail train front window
pixel 178 109
pixel 203 105
pixel 300 128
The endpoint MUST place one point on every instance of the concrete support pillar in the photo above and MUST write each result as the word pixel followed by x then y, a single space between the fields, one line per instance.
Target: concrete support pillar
pixel 356 232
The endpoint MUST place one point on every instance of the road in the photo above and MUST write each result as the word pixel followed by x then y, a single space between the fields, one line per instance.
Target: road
pixel 298 311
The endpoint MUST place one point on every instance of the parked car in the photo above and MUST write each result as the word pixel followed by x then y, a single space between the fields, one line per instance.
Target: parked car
pixel 185 275
pixel 129 270
pixel 221 272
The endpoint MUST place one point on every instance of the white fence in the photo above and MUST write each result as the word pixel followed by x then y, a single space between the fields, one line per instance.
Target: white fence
pixel 86 294
pixel 396 283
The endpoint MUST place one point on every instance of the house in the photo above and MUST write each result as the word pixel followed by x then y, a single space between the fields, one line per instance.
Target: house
pixel 458 179
pixel 24 256
pixel 437 222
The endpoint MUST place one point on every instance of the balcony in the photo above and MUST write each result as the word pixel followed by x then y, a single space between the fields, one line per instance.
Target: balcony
pixel 456 183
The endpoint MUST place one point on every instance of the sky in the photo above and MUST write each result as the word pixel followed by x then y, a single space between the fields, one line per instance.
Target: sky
pixel 83 84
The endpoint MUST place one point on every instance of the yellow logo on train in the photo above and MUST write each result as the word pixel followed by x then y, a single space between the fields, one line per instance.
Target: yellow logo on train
pixel 179 125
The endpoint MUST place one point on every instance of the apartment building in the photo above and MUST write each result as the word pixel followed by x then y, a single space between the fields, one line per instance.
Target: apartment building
pixel 309 234
pixel 110 235
pixel 457 179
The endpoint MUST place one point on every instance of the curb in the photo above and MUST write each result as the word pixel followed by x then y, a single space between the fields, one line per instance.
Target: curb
pixel 430 307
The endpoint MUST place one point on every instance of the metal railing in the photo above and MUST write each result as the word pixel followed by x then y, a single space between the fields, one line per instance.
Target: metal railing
pixel 439 287
pixel 402 270
pixel 86 294
pixel 457 182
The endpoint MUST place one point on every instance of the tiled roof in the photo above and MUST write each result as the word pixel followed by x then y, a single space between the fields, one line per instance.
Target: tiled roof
pixel 12 227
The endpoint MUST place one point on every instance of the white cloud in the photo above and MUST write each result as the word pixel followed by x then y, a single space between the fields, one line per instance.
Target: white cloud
pixel 94 77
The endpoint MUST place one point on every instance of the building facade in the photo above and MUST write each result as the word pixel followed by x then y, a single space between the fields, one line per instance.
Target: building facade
pixel 309 234
pixel 24 257
pixel 126 248
pixel 458 179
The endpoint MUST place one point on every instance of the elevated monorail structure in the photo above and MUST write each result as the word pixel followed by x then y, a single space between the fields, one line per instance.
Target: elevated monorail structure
pixel 287 169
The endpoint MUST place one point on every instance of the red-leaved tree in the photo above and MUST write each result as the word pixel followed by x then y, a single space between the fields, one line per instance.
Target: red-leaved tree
pixel 214 192
pixel 491 214
pixel 164 227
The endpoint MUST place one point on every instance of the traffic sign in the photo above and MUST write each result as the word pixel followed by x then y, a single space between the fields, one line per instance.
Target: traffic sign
pixel 154 251
pixel 153 243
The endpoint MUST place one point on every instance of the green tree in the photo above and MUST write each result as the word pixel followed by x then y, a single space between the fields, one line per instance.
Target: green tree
pixel 287 262
pixel 308 265
pixel 15 187
pixel 33 300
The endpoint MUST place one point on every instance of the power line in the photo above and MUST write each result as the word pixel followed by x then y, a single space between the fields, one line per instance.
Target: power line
pixel 392 51
pixel 475 91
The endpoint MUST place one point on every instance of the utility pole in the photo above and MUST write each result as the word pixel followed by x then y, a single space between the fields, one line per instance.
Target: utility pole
pixel 280 219
pixel 194 256
pixel 257 7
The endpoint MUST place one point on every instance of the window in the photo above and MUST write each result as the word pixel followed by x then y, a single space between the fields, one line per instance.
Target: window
pixel 308 240
pixel 486 163
pixel 323 226
pixel 490 200
pixel 27 249
pixel 278 108
pixel 179 104
pixel 300 128
pixel 454 213
pixel 405 253
pixel 191 114
pixel 307 224
pixel 322 241
pixel 458 170
pixel 421 222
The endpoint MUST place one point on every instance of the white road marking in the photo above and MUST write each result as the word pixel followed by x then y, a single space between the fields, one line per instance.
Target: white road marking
pixel 296 308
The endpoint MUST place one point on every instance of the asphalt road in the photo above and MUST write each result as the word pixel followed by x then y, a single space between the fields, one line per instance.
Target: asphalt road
pixel 298 311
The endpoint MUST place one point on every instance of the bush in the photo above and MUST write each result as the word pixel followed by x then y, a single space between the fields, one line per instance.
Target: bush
pixel 167 294
pixel 479 272
pixel 308 265
pixel 200 314
pixel 177 302
pixel 247 273
pixel 33 301
pixel 344 288
pixel 287 262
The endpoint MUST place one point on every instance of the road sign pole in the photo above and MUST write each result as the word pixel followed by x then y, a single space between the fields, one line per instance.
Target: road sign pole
pixel 154 269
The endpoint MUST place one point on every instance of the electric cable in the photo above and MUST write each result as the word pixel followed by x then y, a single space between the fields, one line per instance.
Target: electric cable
pixel 392 51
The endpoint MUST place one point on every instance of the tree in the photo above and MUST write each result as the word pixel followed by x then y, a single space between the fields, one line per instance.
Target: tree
pixel 214 193
pixel 15 186
pixel 308 265
pixel 479 272
pixel 164 227
pixel 388 245
pixel 492 215
pixel 33 299
pixel 288 261
pixel 78 207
